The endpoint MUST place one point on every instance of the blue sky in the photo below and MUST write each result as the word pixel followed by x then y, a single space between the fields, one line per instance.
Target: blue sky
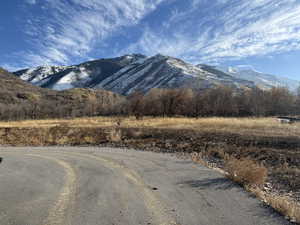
pixel 262 33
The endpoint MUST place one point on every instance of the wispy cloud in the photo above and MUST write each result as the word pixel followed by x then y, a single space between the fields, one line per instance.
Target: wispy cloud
pixel 32 2
pixel 68 29
pixel 211 31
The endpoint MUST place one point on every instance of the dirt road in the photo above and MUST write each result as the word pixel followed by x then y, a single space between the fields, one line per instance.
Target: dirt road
pixel 91 186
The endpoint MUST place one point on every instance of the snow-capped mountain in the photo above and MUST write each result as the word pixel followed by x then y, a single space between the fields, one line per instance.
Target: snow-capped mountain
pixel 85 75
pixel 128 73
pixel 261 80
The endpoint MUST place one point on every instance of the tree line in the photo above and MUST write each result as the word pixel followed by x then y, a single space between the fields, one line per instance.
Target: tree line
pixel 63 104
pixel 219 101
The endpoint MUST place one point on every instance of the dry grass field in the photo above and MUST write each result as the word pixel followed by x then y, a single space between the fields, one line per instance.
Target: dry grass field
pixel 269 127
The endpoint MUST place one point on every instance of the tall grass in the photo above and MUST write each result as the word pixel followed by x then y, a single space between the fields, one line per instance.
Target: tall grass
pixel 282 204
pixel 249 126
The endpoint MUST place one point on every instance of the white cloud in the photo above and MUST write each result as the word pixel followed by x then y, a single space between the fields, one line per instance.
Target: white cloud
pixel 203 31
pixel 75 27
pixel 31 2
pixel 219 30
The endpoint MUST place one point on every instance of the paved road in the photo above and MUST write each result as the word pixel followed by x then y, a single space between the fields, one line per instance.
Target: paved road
pixel 90 186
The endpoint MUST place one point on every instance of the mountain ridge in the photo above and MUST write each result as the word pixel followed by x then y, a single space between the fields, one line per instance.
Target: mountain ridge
pixel 128 73
pixel 262 79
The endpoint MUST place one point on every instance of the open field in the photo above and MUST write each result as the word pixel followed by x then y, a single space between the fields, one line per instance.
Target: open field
pixel 249 126
pixel 263 144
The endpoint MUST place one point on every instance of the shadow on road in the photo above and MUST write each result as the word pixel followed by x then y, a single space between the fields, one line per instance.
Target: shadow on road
pixel 209 183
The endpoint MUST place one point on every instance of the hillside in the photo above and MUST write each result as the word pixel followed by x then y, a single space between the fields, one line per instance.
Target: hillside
pixel 15 91
pixel 128 73
pixel 19 99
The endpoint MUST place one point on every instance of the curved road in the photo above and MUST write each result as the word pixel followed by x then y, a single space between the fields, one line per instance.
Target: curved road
pixel 91 186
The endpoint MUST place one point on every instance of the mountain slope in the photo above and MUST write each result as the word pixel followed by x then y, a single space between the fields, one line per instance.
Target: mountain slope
pixel 128 73
pixel 165 72
pixel 22 100
pixel 262 80
pixel 84 75
pixel 15 91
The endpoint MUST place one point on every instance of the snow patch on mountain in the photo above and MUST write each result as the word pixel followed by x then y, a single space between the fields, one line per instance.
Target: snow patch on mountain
pixel 260 79
pixel 128 73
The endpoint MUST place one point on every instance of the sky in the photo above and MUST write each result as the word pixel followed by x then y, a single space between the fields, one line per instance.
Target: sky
pixel 262 34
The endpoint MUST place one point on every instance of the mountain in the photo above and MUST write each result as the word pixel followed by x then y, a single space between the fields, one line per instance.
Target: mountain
pixel 128 73
pixel 261 80
pixel 13 90
pixel 84 75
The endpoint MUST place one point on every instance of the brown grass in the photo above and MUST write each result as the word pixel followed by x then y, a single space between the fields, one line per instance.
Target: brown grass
pixel 246 172
pixel 282 204
pixel 199 157
pixel 285 206
pixel 252 176
pixel 114 135
pixel 249 126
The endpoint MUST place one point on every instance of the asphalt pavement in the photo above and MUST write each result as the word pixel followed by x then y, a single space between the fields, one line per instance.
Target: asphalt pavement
pixel 106 186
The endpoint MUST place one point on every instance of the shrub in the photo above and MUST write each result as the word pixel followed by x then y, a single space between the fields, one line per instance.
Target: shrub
pixel 114 135
pixel 246 172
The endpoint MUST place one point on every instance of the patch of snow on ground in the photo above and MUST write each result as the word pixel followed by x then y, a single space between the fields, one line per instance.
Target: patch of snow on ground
pixel 187 69
pixel 26 76
pixel 41 82
pixel 140 61
pixel 65 82
pixel 62 86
